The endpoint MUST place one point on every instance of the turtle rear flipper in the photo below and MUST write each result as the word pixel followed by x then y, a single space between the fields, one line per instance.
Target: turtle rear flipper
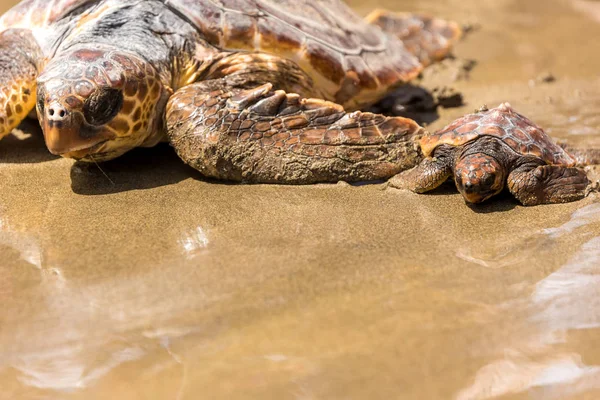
pixel 262 135
pixel 428 38
pixel 19 55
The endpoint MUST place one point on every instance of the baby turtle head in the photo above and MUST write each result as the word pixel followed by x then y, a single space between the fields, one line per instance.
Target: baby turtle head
pixel 96 105
pixel 478 177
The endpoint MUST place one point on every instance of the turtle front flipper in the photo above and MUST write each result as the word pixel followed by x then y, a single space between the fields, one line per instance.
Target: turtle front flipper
pixel 427 38
pixel 19 57
pixel 548 184
pixel 261 135
pixel 426 176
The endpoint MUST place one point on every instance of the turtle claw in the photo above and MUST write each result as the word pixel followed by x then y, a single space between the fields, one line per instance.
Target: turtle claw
pixel 269 105
pixel 244 98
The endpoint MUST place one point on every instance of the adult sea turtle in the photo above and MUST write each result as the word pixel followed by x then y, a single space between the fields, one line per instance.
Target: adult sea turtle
pixel 244 90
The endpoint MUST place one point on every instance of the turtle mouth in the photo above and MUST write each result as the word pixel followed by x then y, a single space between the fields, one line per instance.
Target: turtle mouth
pixel 73 138
pixel 475 198
pixel 475 194
pixel 85 153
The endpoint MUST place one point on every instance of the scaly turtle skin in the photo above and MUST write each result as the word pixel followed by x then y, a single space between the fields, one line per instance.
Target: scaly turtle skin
pixel 244 90
pixel 491 149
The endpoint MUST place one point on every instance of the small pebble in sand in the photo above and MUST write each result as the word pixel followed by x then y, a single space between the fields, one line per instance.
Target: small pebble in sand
pixel 544 77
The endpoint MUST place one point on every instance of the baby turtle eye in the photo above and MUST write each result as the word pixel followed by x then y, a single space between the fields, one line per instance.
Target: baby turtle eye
pixel 102 106
pixel 489 180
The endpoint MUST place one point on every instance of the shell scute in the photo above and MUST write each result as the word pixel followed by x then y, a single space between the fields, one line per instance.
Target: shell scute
pixel 497 117
pixel 328 65
pixel 522 123
pixel 457 124
pixel 491 130
pixel 241 29
pixel 535 150
pixel 364 76
pixel 519 135
pixel 466 128
pixel 512 143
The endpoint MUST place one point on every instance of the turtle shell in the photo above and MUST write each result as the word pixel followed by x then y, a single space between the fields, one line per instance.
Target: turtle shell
pixel 33 14
pixel 351 61
pixel 503 122
pixel 47 19
pixel 345 55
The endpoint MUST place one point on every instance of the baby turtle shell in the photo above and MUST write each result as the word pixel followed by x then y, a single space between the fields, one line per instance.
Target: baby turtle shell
pixel 503 122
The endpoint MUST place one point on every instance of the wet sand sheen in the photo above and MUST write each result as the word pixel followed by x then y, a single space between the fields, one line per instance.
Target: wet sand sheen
pixel 167 286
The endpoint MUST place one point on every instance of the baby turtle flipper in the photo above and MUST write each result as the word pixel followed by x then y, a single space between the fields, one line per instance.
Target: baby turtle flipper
pixel 19 56
pixel 426 176
pixel 548 184
pixel 261 135
pixel 427 38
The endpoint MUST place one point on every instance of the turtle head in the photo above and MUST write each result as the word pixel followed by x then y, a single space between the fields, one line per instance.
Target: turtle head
pixel 478 177
pixel 96 105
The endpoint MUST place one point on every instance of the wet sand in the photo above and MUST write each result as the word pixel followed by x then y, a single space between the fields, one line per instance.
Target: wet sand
pixel 166 286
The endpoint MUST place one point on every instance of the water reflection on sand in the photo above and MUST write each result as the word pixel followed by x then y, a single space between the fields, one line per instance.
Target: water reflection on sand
pixel 162 285
pixel 566 300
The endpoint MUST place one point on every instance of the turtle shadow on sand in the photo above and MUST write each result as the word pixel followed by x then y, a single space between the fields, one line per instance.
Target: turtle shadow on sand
pixel 417 103
pixel 25 146
pixel 409 101
pixel 500 203
pixel 142 168
pixel 159 166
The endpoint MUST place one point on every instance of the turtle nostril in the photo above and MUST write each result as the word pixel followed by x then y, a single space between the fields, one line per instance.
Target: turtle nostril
pixel 57 113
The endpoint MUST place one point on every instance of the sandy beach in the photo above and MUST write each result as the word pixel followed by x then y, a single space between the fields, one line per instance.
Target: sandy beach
pixel 154 283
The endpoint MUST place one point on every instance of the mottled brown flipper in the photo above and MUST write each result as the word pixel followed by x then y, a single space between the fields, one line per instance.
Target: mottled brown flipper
pixel 19 56
pixel 428 38
pixel 262 135
pixel 426 176
pixel 547 184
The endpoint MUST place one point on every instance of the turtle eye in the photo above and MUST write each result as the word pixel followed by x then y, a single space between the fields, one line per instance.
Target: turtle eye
pixel 489 180
pixel 102 106
pixel 40 102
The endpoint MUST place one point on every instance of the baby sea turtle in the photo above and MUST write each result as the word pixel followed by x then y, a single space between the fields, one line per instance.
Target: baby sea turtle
pixel 244 90
pixel 491 149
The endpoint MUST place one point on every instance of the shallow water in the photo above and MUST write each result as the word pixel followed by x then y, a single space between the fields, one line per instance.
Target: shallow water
pixel 162 285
